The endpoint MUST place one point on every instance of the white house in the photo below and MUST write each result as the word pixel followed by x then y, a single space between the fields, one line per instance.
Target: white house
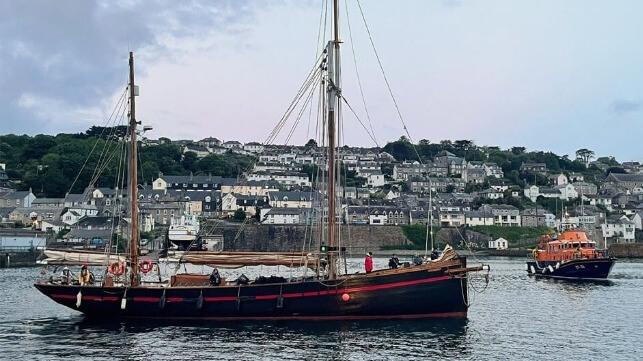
pixel 200 150
pixel 499 243
pixel 620 228
pixel 253 147
pixel 478 218
pixel 377 218
pixel 558 179
pixel 291 199
pixel 232 144
pixel 491 194
pixel 285 178
pixel 282 216
pixel 375 179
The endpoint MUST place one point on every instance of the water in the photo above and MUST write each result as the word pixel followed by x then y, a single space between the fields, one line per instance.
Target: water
pixel 516 318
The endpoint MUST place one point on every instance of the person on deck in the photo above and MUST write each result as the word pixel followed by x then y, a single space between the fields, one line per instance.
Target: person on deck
pixel 84 276
pixel 368 262
pixel 434 254
pixel 394 262
pixel 215 278
pixel 65 276
pixel 417 260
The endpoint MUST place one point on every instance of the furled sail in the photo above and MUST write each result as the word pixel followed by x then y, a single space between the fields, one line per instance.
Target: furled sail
pixel 73 257
pixel 241 259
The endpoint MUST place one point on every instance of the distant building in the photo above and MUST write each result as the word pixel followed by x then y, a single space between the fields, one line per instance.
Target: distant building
pixel 499 243
pixel 533 167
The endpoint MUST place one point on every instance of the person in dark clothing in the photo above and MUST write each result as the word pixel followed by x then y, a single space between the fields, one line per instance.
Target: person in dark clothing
pixel 215 278
pixel 417 260
pixel 434 254
pixel 368 262
pixel 394 262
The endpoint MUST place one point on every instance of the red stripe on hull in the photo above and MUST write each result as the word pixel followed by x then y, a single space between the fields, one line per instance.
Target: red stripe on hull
pixel 267 297
pixel 85 298
pixel 314 318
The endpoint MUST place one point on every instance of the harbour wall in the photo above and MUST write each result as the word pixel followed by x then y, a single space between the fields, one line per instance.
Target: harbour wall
pixel 18 259
pixel 281 238
pixel 626 250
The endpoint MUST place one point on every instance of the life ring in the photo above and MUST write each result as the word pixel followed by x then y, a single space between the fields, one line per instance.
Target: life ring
pixel 145 266
pixel 116 268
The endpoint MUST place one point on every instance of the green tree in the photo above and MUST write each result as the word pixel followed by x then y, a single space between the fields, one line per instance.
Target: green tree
pixel 239 215
pixel 584 155
pixel 189 161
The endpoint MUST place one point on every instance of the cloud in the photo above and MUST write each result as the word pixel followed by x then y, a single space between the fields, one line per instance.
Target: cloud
pixel 63 59
pixel 624 106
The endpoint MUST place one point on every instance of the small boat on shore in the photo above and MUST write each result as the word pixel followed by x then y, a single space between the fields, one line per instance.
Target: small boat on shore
pixel 572 256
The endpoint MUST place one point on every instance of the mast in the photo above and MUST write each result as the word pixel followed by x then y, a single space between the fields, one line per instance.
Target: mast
pixel 334 93
pixel 133 184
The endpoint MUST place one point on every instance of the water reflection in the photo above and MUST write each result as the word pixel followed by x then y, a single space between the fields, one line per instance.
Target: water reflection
pixel 283 340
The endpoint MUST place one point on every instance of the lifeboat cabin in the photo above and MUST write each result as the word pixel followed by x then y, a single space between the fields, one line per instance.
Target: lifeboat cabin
pixel 570 245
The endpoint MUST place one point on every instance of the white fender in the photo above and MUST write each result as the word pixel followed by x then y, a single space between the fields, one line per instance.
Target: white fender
pixel 79 299
pixel 533 270
pixel 123 302
pixel 557 265
pixel 551 269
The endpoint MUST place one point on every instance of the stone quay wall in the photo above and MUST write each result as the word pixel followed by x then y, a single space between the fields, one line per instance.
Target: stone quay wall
pixel 283 238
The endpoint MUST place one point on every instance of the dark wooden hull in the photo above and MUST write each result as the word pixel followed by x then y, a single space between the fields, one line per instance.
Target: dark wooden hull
pixel 415 292
pixel 580 269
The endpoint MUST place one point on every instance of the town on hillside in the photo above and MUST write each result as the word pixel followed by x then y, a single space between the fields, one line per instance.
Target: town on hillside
pixel 451 184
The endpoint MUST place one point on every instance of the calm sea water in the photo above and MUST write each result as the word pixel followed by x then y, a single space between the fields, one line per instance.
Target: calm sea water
pixel 516 318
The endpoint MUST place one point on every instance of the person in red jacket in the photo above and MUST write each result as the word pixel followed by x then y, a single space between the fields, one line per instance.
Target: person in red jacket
pixel 368 262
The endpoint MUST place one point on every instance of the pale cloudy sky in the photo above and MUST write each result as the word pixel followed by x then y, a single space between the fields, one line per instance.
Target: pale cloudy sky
pixel 548 75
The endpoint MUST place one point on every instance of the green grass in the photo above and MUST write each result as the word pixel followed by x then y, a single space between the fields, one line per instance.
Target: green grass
pixel 513 234
pixel 416 233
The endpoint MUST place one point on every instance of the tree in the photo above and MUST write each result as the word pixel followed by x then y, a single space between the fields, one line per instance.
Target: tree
pixel 463 144
pixel 239 215
pixel 517 150
pixel 446 144
pixel 404 139
pixel 189 161
pixel 584 155
pixel 611 161
pixel 312 143
pixel 401 150
pixel 424 142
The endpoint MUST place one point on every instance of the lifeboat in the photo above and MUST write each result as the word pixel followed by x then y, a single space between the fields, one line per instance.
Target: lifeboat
pixel 571 255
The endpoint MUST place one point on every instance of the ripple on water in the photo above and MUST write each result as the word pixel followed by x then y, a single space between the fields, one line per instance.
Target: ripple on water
pixel 516 317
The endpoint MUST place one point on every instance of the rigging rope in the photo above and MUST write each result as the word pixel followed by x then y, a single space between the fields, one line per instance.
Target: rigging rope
pixel 359 80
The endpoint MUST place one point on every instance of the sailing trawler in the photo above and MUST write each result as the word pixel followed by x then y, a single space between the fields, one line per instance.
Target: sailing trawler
pixel 435 288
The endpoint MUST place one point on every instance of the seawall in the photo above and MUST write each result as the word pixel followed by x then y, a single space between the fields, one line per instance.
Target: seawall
pixel 281 238
pixel 629 250
pixel 18 259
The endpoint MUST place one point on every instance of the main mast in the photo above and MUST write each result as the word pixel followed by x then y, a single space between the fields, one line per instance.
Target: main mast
pixel 133 181
pixel 334 94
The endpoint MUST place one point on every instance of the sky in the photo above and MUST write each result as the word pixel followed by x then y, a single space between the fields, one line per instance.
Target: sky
pixel 547 75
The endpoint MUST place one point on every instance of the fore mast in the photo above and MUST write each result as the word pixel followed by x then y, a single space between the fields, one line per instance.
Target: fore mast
pixel 334 94
pixel 133 177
